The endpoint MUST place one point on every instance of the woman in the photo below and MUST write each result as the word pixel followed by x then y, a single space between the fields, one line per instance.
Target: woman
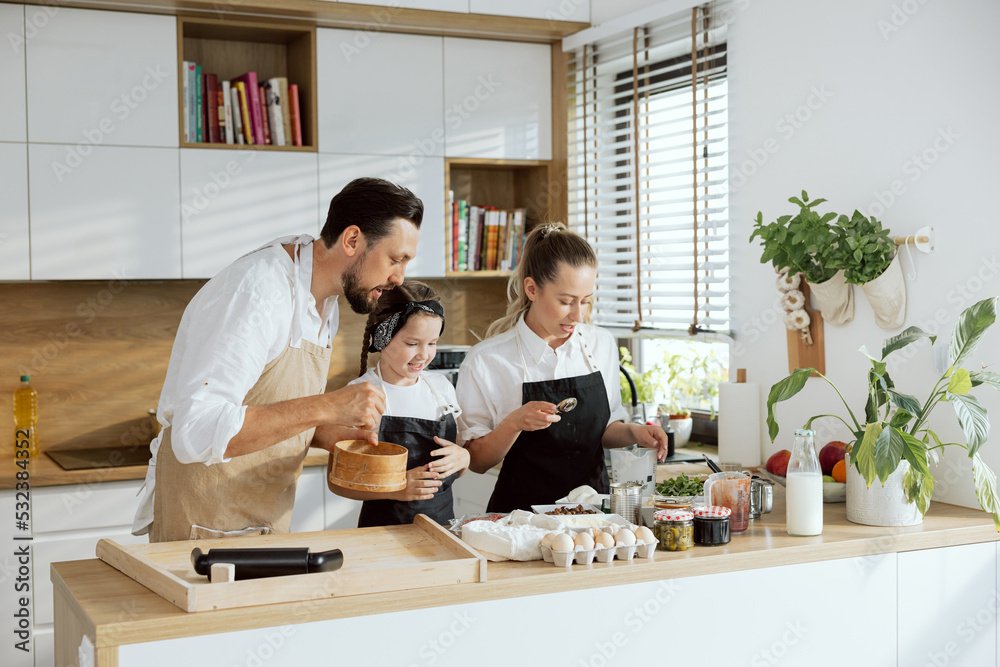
pixel 420 408
pixel 541 352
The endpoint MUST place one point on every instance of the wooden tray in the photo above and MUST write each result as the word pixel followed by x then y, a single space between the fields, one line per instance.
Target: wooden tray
pixel 390 558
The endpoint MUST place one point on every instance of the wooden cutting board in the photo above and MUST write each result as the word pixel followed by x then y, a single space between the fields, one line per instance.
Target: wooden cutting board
pixel 376 560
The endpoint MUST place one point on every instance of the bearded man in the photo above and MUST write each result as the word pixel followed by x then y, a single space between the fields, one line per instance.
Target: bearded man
pixel 244 397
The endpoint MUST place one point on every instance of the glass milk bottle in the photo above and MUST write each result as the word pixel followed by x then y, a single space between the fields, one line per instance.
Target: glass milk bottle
pixel 804 488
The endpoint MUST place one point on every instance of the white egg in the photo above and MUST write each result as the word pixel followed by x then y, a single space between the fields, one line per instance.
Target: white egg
pixel 625 536
pixel 605 540
pixel 562 542
pixel 644 535
pixel 584 541
pixel 547 540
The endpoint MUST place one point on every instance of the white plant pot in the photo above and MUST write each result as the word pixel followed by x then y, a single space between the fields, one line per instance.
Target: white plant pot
pixel 682 430
pixel 879 505
pixel 835 298
pixel 887 296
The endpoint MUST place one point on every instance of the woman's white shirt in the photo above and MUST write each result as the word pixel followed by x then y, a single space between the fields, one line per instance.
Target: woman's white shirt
pixel 490 379
pixel 416 400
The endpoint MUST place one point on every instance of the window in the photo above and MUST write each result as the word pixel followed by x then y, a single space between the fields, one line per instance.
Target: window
pixel 647 172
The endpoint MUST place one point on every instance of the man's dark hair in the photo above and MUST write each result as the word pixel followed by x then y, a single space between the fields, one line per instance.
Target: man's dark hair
pixel 371 204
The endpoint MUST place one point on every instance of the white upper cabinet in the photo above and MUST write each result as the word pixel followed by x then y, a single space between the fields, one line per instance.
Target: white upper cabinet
pixel 12 104
pixel 554 10
pixel 103 212
pixel 424 176
pixel 380 95
pixel 14 260
pixel 103 78
pixel 436 5
pixel 497 99
pixel 234 201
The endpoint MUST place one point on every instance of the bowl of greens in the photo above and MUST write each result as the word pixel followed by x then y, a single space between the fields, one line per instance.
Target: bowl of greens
pixel 678 492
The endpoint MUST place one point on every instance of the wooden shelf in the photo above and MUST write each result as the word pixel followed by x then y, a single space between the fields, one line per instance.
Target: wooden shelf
pixel 230 48
pixel 477 274
pixel 505 184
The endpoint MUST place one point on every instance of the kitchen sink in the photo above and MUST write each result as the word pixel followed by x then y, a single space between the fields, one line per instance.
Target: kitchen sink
pixel 100 457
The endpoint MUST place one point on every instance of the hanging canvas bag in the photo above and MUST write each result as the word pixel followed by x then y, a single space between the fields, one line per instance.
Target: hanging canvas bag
pixel 835 298
pixel 887 295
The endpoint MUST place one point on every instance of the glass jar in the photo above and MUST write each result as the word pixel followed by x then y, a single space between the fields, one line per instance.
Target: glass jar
pixel 673 529
pixel 711 525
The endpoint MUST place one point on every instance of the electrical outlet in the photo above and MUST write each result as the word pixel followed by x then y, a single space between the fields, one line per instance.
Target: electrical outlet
pixel 941 358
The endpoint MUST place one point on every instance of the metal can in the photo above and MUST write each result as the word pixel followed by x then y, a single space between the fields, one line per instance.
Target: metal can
pixel 711 525
pixel 673 529
pixel 626 501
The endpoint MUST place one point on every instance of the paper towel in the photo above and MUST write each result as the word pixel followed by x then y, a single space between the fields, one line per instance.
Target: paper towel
pixel 739 422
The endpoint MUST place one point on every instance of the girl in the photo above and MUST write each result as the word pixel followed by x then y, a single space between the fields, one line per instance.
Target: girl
pixel 541 352
pixel 420 408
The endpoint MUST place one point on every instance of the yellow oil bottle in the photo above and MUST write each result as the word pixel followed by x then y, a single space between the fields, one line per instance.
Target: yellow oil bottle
pixel 26 418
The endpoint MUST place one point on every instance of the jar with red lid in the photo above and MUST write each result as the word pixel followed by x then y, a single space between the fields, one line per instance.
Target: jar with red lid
pixel 673 529
pixel 711 525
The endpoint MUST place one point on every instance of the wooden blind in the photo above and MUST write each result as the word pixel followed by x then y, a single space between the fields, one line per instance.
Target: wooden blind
pixel 647 172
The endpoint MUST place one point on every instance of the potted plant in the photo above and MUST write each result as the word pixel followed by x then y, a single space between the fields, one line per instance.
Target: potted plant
pixel 692 383
pixel 894 442
pixel 807 243
pixel 867 256
pixel 647 388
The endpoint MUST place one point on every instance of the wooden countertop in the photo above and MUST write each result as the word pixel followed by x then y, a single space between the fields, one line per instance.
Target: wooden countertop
pixel 98 593
pixel 43 471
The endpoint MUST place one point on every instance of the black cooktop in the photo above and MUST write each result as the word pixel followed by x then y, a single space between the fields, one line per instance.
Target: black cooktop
pixel 100 457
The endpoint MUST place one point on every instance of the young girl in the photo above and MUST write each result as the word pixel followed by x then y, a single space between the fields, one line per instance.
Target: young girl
pixel 420 408
pixel 541 352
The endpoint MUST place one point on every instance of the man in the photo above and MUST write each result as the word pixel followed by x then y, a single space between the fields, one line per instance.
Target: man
pixel 243 398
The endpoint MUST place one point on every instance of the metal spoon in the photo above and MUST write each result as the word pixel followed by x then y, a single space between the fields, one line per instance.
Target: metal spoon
pixel 566 405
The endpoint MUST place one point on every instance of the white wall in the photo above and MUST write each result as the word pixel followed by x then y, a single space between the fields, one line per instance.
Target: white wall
pixel 885 86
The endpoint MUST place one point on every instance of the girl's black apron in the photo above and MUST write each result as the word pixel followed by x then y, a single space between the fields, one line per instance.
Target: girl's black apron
pixel 547 464
pixel 417 435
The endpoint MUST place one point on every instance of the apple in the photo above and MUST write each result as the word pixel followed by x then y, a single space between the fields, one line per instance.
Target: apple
pixel 778 463
pixel 827 478
pixel 831 453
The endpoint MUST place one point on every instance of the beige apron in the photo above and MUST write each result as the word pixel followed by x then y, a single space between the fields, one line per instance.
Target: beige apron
pixel 251 494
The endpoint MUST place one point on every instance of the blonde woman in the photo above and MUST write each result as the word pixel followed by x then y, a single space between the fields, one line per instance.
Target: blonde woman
pixel 541 352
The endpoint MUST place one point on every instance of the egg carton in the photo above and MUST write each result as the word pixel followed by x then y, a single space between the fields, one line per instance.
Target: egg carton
pixel 601 554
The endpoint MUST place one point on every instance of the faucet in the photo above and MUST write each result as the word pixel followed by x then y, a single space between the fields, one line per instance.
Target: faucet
pixel 635 395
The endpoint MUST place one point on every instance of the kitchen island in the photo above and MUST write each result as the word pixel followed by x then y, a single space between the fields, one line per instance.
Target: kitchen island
pixel 925 594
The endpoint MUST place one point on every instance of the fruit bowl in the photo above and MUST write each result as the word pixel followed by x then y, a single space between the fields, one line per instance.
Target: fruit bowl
pixel 834 492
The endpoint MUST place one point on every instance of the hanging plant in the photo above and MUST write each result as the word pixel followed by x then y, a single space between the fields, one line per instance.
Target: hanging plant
pixel 803 243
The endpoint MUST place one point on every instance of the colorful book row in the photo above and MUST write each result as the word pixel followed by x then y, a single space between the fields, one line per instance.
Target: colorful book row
pixel 240 111
pixel 485 238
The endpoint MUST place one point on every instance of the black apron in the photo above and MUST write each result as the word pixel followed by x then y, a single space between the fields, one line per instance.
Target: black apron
pixel 547 464
pixel 417 435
